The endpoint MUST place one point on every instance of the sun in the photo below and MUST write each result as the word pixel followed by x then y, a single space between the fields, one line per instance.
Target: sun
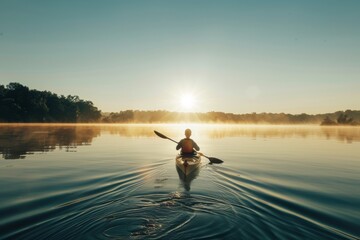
pixel 187 102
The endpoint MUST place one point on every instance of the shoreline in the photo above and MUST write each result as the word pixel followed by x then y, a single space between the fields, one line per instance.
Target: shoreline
pixel 177 124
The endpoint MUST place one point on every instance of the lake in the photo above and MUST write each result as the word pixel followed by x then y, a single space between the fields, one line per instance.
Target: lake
pixel 121 182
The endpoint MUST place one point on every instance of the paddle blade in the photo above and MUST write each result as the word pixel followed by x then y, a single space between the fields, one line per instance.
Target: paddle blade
pixel 211 159
pixel 160 135
pixel 215 160
pixel 163 136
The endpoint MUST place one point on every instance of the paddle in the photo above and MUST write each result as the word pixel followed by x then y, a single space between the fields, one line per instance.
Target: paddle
pixel 163 136
pixel 211 159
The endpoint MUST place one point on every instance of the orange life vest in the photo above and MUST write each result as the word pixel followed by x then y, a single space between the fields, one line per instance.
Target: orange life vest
pixel 187 146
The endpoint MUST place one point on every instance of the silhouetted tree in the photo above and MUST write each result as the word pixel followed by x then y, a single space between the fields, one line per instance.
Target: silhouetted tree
pixel 328 121
pixel 19 104
pixel 344 119
pixel 87 112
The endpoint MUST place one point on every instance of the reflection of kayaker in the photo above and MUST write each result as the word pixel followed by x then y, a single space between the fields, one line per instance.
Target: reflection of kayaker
pixel 187 179
pixel 187 145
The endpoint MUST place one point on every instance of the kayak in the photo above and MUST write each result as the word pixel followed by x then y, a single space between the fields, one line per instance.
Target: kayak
pixel 188 164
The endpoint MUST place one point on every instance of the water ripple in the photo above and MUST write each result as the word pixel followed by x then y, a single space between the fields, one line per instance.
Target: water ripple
pixel 154 200
pixel 273 208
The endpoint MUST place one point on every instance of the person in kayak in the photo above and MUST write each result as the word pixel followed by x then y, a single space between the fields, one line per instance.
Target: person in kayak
pixel 187 145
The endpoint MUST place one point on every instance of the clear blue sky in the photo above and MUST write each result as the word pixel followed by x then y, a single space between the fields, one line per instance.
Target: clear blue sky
pixel 233 56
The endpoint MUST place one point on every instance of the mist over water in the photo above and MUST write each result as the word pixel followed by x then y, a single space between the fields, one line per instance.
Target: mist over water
pixel 120 182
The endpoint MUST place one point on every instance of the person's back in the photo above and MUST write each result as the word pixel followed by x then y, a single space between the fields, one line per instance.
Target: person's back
pixel 187 145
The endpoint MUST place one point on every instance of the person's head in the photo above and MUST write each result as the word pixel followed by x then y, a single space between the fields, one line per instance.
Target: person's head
pixel 187 133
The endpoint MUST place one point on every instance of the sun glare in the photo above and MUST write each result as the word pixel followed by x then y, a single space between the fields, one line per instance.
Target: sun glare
pixel 187 102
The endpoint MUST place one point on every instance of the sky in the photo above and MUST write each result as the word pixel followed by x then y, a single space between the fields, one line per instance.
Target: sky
pixel 201 55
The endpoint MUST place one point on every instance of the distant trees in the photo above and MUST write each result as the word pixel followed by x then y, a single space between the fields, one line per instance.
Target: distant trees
pixel 122 116
pixel 328 121
pixel 136 116
pixel 20 104
pixel 342 119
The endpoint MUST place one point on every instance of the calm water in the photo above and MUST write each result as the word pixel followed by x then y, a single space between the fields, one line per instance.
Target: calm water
pixel 120 182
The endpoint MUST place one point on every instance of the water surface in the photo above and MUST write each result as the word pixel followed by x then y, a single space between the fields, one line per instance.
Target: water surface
pixel 120 182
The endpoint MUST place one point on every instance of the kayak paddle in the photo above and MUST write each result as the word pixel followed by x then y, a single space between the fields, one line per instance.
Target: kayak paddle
pixel 211 159
pixel 163 136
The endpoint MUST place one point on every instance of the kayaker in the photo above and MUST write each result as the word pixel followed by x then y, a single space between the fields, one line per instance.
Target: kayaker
pixel 187 145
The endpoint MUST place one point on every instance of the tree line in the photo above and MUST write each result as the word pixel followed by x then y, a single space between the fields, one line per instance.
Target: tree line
pixel 20 104
pixel 342 119
pixel 137 116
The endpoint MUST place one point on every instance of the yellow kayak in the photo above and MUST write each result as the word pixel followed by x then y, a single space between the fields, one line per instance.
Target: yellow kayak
pixel 188 164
